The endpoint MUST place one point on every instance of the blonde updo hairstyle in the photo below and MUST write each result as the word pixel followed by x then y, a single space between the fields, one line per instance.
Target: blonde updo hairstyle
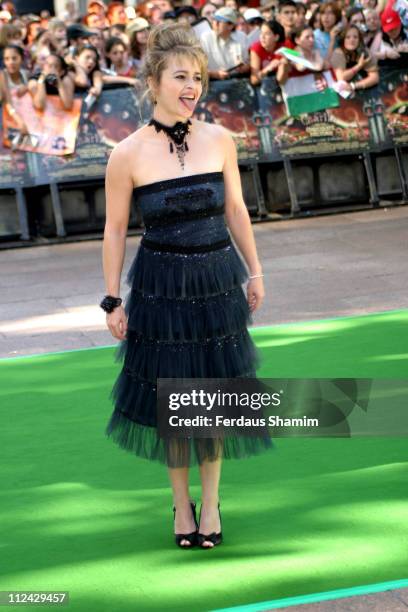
pixel 172 39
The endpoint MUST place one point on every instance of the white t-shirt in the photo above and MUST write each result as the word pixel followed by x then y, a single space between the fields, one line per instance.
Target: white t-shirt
pixel 224 54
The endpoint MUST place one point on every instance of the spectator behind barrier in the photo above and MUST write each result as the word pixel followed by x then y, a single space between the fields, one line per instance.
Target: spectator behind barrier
pixel 263 59
pixel 78 35
pixel 43 46
pixel 287 18
pixel 9 34
pixel 314 20
pixel 97 40
pixel 355 16
pixel 137 32
pixel 186 14
pixel 53 80
pixel 394 34
pixel 58 32
pixel 254 21
pixel 116 13
pixel 304 42
pixel 207 11
pixel 15 74
pixel 268 11
pixel 33 29
pixel 373 39
pixel 227 49
pixel 120 68
pixel 87 74
pixel 95 21
pixel 352 61
pixel 301 10
pixel 13 78
pixel 70 13
pixel 117 31
pixel 331 24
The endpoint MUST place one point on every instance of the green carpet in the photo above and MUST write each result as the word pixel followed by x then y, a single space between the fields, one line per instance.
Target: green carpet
pixel 79 514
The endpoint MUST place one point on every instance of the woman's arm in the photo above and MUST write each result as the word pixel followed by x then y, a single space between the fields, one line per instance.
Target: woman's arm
pixel 349 73
pixel 370 80
pixel 4 93
pixel 97 83
pixel 37 90
pixel 255 63
pixel 239 222
pixel 66 91
pixel 118 192
pixel 282 73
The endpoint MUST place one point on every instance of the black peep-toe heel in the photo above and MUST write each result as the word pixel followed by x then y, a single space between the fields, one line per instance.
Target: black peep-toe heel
pixel 215 538
pixel 191 537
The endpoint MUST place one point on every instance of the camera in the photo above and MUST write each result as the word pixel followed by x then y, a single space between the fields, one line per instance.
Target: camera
pixel 51 79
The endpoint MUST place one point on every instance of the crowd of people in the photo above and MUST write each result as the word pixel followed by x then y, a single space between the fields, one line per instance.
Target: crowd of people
pixel 60 55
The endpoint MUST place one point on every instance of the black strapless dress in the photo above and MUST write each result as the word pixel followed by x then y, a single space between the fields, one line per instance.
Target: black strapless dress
pixel 187 317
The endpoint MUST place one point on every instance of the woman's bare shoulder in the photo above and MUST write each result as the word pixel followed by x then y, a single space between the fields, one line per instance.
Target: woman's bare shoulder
pixel 217 134
pixel 130 147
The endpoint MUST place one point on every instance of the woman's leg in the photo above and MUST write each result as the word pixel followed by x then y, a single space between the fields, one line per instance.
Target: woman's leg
pixel 184 522
pixel 210 472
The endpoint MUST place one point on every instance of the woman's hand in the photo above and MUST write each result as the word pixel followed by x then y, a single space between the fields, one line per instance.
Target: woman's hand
pixel 391 54
pixel 117 322
pixel 273 64
pixel 362 60
pixel 255 293
pixel 335 31
pixel 21 90
pixel 94 91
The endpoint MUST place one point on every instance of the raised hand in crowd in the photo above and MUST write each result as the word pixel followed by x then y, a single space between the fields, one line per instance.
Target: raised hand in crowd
pixel 52 80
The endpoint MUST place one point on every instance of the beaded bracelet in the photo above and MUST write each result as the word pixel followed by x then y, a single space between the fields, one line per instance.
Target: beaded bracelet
pixel 256 276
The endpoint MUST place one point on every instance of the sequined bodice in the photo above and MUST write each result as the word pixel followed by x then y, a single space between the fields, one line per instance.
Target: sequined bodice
pixel 184 211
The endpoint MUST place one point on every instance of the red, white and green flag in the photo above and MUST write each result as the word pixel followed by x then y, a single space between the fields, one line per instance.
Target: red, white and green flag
pixel 311 92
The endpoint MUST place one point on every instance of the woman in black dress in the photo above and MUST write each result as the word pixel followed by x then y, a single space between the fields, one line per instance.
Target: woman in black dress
pixel 186 314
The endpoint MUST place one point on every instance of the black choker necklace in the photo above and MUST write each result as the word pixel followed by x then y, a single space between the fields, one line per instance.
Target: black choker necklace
pixel 177 133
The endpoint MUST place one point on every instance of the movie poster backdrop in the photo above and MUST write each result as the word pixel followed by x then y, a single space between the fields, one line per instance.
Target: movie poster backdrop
pixel 375 119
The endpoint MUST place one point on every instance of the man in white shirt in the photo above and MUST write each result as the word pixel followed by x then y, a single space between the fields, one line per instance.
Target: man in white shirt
pixel 227 49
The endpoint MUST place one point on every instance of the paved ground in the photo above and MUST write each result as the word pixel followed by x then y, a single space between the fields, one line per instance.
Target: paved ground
pixel 315 268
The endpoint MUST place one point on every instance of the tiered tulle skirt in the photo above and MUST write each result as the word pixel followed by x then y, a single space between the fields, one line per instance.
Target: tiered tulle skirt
pixel 187 318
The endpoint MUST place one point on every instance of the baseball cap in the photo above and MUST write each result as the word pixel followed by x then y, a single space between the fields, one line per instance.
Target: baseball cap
pixel 390 19
pixel 226 14
pixel 77 30
pixel 252 13
pixel 186 9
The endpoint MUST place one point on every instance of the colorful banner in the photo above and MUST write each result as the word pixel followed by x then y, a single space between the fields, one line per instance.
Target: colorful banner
pixel 110 120
pixel 233 104
pixel 374 120
pixel 391 112
pixel 343 129
pixel 51 131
